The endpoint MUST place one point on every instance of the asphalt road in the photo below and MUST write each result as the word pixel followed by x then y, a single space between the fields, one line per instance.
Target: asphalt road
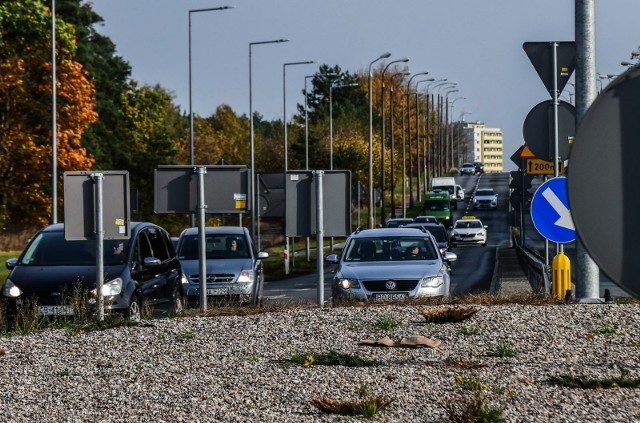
pixel 472 272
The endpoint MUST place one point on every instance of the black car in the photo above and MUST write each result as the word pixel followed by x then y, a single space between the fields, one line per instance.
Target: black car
pixel 141 270
pixel 479 167
pixel 438 231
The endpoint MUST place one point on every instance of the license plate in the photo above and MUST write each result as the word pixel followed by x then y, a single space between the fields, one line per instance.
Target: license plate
pixel 55 310
pixel 395 296
pixel 217 291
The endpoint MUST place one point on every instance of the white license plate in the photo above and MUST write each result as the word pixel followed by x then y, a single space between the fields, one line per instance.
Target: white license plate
pixel 395 296
pixel 55 310
pixel 217 291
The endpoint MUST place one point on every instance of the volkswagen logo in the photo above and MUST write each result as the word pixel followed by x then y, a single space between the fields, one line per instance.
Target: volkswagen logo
pixel 391 285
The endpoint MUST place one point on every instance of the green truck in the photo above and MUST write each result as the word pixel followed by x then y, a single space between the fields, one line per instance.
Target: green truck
pixel 438 204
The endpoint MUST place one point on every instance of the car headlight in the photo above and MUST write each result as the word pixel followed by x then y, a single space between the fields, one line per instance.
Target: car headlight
pixel 246 276
pixel 345 283
pixel 113 287
pixel 184 279
pixel 454 233
pixel 431 282
pixel 11 290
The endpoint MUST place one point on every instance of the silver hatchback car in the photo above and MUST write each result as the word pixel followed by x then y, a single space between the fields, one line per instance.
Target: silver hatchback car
pixel 233 266
pixel 385 264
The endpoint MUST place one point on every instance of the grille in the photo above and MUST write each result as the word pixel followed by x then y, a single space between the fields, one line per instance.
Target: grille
pixel 380 285
pixel 214 277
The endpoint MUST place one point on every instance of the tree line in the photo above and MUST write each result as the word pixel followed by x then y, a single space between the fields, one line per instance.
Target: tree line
pixel 108 121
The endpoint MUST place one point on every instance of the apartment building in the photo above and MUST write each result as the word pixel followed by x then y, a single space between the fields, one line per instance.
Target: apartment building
pixel 484 145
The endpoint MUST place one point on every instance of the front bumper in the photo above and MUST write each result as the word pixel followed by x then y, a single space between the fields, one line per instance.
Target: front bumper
pixel 235 292
pixel 376 290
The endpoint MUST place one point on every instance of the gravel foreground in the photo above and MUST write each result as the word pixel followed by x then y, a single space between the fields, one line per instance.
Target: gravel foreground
pixel 229 369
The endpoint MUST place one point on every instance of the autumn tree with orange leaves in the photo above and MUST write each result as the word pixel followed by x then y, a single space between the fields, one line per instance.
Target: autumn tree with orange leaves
pixel 26 107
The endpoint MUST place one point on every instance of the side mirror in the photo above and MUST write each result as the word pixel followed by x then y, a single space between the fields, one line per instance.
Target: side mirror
pixel 449 256
pixel 11 263
pixel 332 258
pixel 486 226
pixel 151 262
pixel 263 255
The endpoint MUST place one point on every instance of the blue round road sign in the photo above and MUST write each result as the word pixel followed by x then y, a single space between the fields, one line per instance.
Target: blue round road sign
pixel 550 211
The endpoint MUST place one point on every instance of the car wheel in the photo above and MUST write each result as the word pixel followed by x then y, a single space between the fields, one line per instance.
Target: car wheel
pixel 134 311
pixel 177 302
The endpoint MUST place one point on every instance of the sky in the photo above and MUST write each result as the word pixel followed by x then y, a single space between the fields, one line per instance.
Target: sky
pixel 476 43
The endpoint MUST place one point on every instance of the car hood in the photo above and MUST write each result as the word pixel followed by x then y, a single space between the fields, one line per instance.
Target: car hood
pixel 485 197
pixel 409 269
pixel 235 266
pixel 32 279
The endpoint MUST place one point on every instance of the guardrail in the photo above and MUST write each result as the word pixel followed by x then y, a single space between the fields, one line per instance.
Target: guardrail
pixel 538 274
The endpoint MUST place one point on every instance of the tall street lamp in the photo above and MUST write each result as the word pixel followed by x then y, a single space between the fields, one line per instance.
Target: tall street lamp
pixel 191 144
pixel 460 159
pixel 451 135
pixel 306 124
pixel 410 144
pixel 371 222
pixel 252 174
pixel 393 183
pixel 431 141
pixel 284 105
pixel 382 139
pixel 191 149
pixel 446 127
pixel 424 142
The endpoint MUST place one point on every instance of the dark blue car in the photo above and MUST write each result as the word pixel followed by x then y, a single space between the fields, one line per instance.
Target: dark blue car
pixel 51 273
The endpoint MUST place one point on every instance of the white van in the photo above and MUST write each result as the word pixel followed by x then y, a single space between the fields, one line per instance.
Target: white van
pixel 446 183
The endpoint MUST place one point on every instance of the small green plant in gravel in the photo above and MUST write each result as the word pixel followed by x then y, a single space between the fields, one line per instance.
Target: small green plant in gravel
pixel 367 406
pixel 607 329
pixel 468 331
pixel 586 382
pixel 387 324
pixel 502 349
pixel 331 358
pixel 474 403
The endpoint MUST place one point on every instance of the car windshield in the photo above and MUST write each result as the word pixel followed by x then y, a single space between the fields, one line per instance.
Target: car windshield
pixel 218 246
pixel 468 225
pixel 467 165
pixel 390 249
pixel 424 219
pixel 51 249
pixel 485 192
pixel 436 205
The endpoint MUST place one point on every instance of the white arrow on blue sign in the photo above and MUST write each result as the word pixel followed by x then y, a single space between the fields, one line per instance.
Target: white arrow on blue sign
pixel 550 211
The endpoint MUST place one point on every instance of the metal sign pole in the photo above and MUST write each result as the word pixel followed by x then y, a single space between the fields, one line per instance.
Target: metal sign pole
pixel 97 179
pixel 202 245
pixel 554 94
pixel 320 236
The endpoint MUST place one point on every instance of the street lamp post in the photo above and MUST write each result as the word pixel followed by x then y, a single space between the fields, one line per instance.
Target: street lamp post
pixel 371 222
pixel 286 158
pixel 410 144
pixel 424 143
pixel 446 128
pixel 441 128
pixel 252 175
pixel 430 143
pixel 393 182
pixel 451 105
pixel 306 124
pixel 464 159
pixel 191 144
pixel 382 139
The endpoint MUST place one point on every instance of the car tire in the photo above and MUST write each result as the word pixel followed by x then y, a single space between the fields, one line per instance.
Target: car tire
pixel 134 311
pixel 177 302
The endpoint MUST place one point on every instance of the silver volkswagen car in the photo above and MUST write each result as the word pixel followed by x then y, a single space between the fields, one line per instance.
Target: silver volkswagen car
pixel 233 266
pixel 385 264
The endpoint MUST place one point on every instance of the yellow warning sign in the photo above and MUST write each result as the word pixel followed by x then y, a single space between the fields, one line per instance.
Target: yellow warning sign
pixel 543 167
pixel 526 153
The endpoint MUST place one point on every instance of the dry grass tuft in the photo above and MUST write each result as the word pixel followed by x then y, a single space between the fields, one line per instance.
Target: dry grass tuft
pixel 448 314
pixel 367 407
